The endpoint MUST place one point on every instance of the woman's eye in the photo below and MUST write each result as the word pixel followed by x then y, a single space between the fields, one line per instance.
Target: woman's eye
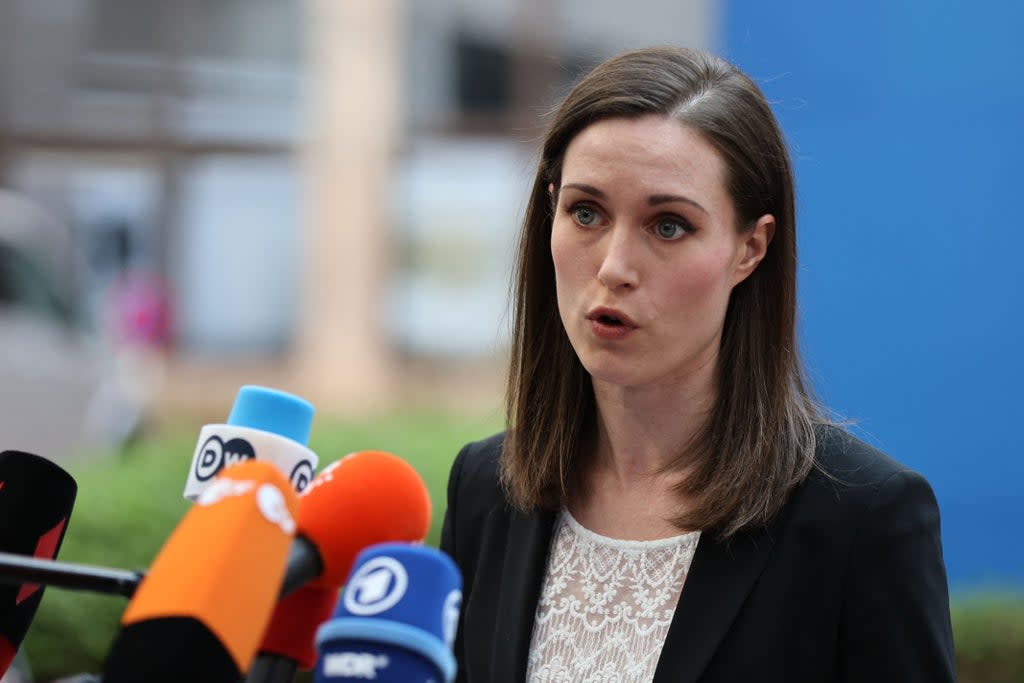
pixel 584 215
pixel 671 229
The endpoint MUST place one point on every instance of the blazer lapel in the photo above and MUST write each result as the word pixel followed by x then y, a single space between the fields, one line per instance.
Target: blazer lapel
pixel 527 546
pixel 720 578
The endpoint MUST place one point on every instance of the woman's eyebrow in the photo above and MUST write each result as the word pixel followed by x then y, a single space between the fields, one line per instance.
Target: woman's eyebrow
pixel 653 200
pixel 582 187
pixel 656 199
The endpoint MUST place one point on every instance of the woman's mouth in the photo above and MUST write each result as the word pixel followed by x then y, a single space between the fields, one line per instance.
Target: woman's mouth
pixel 610 316
pixel 610 324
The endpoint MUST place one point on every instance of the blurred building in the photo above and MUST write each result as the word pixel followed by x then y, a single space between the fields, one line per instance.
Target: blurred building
pixel 327 190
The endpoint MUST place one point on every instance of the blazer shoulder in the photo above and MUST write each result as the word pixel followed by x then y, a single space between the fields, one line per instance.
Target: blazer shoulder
pixel 848 461
pixel 474 486
pixel 474 490
pixel 894 614
pixel 478 462
pixel 851 479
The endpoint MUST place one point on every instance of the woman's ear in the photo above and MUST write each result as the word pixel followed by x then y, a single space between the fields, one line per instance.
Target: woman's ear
pixel 753 246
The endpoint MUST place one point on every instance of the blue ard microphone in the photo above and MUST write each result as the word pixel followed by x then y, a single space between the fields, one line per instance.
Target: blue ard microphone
pixel 396 619
pixel 265 424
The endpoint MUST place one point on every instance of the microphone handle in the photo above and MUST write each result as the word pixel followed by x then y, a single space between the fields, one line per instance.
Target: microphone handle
pixel 19 569
pixel 304 565
pixel 268 668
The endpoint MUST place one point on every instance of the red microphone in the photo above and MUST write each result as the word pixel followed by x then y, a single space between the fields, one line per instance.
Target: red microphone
pixel 366 498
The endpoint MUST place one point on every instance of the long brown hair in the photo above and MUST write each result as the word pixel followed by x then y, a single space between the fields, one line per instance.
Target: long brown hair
pixel 758 441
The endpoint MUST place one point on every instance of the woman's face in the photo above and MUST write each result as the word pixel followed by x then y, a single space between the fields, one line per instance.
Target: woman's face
pixel 646 250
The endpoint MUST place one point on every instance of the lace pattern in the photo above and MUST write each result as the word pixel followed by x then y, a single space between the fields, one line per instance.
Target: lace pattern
pixel 606 605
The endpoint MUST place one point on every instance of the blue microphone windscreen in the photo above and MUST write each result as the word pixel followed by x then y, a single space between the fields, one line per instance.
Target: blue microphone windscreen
pixel 395 620
pixel 273 411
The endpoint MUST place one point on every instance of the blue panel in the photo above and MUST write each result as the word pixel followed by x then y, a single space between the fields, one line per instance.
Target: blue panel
pixel 907 128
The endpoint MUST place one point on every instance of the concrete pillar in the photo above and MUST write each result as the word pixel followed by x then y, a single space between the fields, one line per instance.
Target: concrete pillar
pixel 342 359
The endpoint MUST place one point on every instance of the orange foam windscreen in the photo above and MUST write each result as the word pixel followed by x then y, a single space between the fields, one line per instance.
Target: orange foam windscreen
pixel 222 566
pixel 364 498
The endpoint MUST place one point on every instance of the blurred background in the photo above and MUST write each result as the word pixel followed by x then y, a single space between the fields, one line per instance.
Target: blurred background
pixel 322 196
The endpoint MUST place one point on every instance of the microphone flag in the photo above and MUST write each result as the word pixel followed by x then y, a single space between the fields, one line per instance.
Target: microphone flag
pixel 264 424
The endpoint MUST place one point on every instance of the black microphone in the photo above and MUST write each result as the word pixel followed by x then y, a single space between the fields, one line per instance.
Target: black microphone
pixel 36 498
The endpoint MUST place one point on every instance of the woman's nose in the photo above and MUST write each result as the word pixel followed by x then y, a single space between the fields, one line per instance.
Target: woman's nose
pixel 619 260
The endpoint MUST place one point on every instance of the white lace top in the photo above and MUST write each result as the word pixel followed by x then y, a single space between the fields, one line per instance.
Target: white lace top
pixel 606 605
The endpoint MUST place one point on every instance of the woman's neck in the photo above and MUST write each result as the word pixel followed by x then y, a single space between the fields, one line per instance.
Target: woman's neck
pixel 641 431
pixel 629 486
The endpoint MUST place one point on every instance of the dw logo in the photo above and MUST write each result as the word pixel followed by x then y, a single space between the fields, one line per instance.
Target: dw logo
pixel 215 455
pixel 377 586
pixel 301 475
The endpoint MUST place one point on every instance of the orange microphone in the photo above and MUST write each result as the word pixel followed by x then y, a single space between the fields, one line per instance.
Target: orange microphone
pixel 200 611
pixel 363 499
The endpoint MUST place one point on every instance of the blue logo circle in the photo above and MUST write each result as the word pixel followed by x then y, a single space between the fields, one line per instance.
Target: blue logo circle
pixel 376 587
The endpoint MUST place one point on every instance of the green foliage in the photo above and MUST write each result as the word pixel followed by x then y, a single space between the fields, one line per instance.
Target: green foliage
pixel 988 629
pixel 130 502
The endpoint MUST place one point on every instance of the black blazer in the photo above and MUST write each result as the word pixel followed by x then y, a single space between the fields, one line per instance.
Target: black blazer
pixel 847 584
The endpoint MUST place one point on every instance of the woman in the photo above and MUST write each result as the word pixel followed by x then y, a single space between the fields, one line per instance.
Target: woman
pixel 668 502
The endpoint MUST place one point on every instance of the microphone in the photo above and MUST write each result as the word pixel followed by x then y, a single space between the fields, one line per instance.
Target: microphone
pixel 36 498
pixel 18 569
pixel 264 424
pixel 200 611
pixel 396 620
pixel 288 641
pixel 365 498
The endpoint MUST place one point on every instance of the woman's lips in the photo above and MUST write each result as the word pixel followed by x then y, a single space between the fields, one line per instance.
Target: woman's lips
pixel 610 324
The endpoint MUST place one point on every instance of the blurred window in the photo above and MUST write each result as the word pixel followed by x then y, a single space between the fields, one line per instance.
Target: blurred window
pixel 483 73
pixel 193 48
pixel 24 285
pixel 260 31
pixel 236 280
pixel 236 30
pixel 126 26
pixel 453 275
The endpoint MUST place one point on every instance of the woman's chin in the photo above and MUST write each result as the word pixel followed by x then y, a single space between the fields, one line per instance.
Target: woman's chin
pixel 616 374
